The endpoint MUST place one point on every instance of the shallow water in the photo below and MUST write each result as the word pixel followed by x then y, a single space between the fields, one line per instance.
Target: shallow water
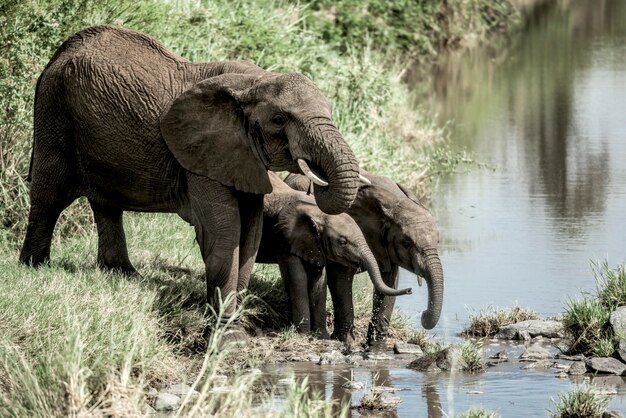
pixel 550 116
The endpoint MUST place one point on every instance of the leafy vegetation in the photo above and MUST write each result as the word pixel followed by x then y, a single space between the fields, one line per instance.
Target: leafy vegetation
pixel 580 402
pixel 488 321
pixel 586 320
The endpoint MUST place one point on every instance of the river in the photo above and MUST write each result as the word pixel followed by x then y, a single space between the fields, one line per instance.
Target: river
pixel 549 115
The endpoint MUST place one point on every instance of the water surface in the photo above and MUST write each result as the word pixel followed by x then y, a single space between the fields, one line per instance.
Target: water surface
pixel 550 115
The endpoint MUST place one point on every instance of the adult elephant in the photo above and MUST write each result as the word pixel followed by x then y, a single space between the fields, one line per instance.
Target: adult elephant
pixel 132 126
pixel 302 239
pixel 401 233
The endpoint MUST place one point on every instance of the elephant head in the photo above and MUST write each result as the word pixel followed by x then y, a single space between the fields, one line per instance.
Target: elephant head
pixel 268 121
pixel 316 237
pixel 410 241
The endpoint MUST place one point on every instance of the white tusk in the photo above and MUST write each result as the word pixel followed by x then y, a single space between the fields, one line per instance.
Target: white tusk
pixel 310 174
pixel 419 280
pixel 365 180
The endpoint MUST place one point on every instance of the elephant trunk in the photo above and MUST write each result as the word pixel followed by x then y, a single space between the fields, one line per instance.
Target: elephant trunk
pixel 433 273
pixel 333 158
pixel 370 264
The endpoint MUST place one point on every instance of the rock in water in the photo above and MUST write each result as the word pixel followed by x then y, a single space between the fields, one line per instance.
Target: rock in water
pixel 577 368
pixel 406 348
pixel 606 365
pixel 534 353
pixel 531 328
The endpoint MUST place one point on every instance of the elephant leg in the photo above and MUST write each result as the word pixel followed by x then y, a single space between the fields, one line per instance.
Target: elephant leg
pixel 317 300
pixel 112 250
pixel 340 286
pixel 382 310
pixel 251 212
pixel 41 221
pixel 215 216
pixel 295 276
pixel 51 191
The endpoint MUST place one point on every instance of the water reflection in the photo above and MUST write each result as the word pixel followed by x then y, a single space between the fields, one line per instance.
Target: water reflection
pixel 536 89
pixel 549 113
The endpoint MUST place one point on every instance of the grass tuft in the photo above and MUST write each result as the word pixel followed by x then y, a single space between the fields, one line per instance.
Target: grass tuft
pixel 586 320
pixel 472 355
pixel 488 321
pixel 580 402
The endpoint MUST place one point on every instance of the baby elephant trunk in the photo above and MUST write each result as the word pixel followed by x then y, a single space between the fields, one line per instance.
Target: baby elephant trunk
pixel 370 264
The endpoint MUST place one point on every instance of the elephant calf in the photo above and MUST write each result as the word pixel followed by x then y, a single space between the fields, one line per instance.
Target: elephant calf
pixel 401 233
pixel 303 240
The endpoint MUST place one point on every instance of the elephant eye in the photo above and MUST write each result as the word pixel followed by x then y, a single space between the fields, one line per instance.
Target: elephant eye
pixel 343 241
pixel 406 243
pixel 278 120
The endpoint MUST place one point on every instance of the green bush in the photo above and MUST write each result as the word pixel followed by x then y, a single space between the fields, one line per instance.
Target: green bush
pixel 581 402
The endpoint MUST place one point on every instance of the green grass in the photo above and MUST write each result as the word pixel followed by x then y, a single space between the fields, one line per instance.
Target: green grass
pixel 586 319
pixel 472 353
pixel 488 321
pixel 580 402
pixel 478 413
pixel 78 341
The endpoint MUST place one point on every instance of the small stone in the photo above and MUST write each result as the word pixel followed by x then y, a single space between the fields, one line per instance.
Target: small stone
pixel 612 414
pixel 474 392
pixel 561 375
pixel 562 366
pixel 576 357
pixel 606 365
pixel 501 356
pixel 451 359
pixel 148 410
pixel 406 348
pixel 621 350
pixel 524 335
pixel 151 392
pixel 426 364
pixel 353 385
pixel 331 358
pixel 540 364
pixel 534 353
pixel 618 320
pixel 577 368
pixel 181 389
pixel 167 402
pixel 378 356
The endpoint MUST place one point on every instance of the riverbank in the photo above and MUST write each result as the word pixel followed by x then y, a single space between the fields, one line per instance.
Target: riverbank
pixel 75 340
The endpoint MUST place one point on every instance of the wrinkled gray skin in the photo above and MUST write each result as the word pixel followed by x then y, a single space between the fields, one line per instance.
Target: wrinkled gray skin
pixel 132 126
pixel 301 239
pixel 401 233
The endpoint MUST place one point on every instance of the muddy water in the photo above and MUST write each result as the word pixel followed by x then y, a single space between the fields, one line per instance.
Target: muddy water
pixel 550 115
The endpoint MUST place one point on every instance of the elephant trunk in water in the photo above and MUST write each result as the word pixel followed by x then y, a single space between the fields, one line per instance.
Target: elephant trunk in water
pixel 431 268
pixel 331 156
pixel 371 266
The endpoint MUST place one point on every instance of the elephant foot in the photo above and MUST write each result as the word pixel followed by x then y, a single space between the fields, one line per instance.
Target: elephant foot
pixel 377 346
pixel 125 269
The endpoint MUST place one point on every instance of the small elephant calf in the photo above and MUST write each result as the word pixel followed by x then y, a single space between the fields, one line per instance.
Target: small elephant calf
pixel 303 240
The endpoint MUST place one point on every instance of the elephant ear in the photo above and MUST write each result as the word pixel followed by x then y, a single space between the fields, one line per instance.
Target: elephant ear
pixel 205 129
pixel 409 194
pixel 303 235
